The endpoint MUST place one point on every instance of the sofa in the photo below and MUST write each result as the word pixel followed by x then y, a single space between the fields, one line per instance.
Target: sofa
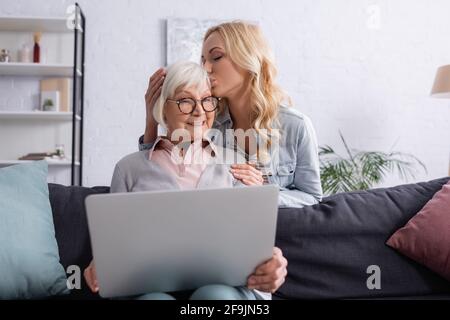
pixel 329 246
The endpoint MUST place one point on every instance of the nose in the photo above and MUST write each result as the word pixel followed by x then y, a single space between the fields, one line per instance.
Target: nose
pixel 207 66
pixel 198 110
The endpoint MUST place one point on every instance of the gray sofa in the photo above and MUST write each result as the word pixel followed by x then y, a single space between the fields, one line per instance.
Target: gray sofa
pixel 329 246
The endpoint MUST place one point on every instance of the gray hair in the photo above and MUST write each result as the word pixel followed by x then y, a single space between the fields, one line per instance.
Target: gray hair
pixel 181 74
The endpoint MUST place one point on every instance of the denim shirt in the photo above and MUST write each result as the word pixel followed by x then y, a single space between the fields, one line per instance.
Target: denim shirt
pixel 294 164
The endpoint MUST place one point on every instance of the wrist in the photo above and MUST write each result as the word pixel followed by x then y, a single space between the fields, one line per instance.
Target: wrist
pixel 150 132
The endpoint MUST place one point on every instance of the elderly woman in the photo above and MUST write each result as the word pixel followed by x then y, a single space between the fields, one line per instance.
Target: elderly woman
pixel 186 159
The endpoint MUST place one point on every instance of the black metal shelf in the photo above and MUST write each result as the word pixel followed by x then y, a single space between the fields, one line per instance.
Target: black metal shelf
pixel 78 96
pixel 76 72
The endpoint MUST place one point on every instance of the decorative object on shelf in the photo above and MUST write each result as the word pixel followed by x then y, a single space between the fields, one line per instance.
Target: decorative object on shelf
pixel 60 151
pixel 62 85
pixel 25 54
pixel 58 154
pixel 441 87
pixel 48 105
pixel 361 170
pixel 37 47
pixel 4 56
pixel 50 100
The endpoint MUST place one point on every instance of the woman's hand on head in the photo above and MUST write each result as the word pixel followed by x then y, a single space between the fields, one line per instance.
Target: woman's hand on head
pixel 154 90
pixel 151 95
pixel 270 275
pixel 248 174
pixel 91 277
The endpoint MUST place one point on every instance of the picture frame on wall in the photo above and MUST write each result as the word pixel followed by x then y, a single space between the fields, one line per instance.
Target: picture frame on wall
pixel 185 38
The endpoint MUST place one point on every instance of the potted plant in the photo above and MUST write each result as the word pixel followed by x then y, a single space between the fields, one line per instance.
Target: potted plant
pixel 48 105
pixel 361 170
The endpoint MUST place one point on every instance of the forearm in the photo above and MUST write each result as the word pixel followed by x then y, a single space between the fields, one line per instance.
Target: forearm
pixel 150 135
pixel 151 131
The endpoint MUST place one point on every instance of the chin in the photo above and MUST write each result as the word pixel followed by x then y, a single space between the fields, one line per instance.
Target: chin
pixel 216 92
pixel 193 131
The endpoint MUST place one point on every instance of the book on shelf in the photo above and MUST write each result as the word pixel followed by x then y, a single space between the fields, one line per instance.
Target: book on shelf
pixel 37 156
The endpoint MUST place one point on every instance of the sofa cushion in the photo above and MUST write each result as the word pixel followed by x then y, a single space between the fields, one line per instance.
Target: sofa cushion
pixel 329 246
pixel 72 234
pixel 426 237
pixel 29 261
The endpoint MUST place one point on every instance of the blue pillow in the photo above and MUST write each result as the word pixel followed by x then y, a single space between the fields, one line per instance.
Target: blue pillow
pixel 29 259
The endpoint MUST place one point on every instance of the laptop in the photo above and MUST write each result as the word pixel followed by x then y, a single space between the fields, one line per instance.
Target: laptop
pixel 167 241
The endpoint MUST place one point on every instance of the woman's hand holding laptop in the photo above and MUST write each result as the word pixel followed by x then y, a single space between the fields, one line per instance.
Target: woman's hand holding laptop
pixel 268 276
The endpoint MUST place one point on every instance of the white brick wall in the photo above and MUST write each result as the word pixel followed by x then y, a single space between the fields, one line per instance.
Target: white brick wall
pixel 344 65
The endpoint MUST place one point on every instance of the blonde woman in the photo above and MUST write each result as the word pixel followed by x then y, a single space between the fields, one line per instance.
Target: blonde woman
pixel 239 64
pixel 186 109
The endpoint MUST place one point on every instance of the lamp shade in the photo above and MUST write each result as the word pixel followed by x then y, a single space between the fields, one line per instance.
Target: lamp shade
pixel 441 86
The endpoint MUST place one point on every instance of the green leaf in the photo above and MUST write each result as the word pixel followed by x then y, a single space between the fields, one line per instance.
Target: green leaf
pixel 362 170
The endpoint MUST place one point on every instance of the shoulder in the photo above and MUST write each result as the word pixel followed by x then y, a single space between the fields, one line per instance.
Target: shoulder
pixel 132 161
pixel 292 120
pixel 290 115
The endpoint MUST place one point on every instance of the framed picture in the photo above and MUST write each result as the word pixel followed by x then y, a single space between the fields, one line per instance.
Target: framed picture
pixel 185 38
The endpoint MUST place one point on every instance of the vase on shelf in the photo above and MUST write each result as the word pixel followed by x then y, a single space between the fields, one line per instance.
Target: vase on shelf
pixel 4 56
pixel 24 54
pixel 37 48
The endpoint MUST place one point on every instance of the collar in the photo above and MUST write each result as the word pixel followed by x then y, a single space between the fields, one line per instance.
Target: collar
pixel 165 143
pixel 223 117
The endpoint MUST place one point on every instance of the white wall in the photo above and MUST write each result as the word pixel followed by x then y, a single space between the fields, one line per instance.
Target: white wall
pixel 344 67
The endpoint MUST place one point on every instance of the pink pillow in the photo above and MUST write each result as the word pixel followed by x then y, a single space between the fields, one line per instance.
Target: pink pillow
pixel 426 237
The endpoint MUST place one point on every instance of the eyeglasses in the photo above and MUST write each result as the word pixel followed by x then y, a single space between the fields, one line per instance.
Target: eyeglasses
pixel 187 105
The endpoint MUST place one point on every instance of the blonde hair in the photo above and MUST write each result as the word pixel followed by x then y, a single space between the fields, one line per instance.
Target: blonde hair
pixel 181 74
pixel 247 48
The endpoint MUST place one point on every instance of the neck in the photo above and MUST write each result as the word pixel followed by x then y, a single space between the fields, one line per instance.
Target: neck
pixel 240 111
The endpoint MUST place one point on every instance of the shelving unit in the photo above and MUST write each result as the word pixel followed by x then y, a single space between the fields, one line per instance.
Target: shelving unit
pixel 24 131
pixel 25 24
pixel 42 115
pixel 50 162
pixel 36 69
